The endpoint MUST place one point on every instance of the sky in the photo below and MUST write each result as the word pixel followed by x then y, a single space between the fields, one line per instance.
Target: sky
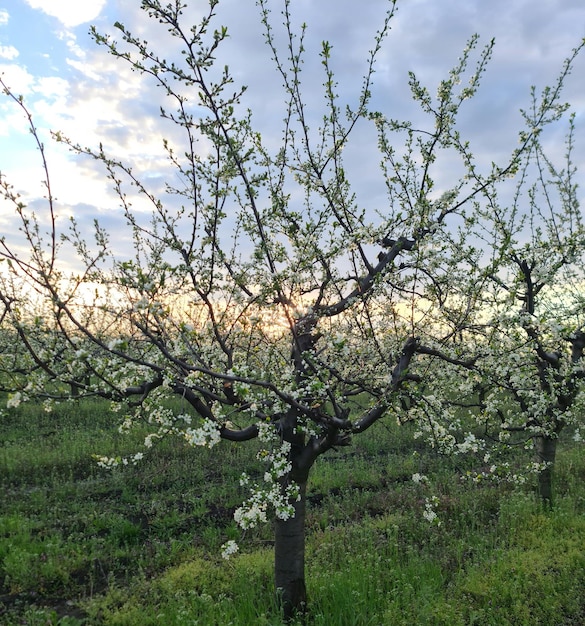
pixel 73 86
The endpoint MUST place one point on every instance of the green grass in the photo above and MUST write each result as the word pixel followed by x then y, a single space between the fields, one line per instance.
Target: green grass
pixel 84 546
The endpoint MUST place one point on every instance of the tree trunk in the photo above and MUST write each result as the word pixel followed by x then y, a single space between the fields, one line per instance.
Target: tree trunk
pixel 289 560
pixel 546 450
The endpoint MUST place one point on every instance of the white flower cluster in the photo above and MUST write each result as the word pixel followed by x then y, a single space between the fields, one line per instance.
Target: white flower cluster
pixel 185 417
pixel 228 549
pixel 14 400
pixel 107 462
pixel 502 473
pixel 266 432
pixel 435 433
pixel 149 439
pixel 141 305
pixel 207 435
pixel 158 414
pixel 536 468
pixel 192 378
pixel 253 511
pixel 116 344
pixel 470 444
pixel 279 461
pixel 126 426
pixel 430 513
pixel 244 479
pixel 274 495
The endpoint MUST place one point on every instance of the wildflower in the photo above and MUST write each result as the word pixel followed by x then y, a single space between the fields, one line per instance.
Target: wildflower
pixel 429 513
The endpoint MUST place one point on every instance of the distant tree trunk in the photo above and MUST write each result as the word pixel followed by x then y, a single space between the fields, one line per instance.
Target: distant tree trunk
pixel 546 450
pixel 81 382
pixel 289 560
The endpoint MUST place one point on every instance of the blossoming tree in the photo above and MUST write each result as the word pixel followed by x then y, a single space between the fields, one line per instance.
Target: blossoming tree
pixel 259 288
pixel 530 328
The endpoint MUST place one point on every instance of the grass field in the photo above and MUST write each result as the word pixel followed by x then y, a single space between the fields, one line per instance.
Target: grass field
pixel 81 545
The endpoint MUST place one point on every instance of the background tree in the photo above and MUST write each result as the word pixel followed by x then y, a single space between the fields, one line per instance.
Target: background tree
pixel 514 319
pixel 533 333
pixel 256 286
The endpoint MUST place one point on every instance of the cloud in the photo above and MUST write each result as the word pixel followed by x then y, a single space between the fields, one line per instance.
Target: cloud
pixel 8 52
pixel 17 78
pixel 96 98
pixel 70 13
pixel 72 45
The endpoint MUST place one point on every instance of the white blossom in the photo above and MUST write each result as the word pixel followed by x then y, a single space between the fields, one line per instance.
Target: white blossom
pixel 208 435
pixel 107 462
pixel 14 400
pixel 228 549
pixel 115 344
pixel 430 514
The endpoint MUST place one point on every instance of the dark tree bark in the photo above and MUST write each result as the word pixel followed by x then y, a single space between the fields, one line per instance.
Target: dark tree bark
pixel 546 450
pixel 289 534
pixel 289 560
